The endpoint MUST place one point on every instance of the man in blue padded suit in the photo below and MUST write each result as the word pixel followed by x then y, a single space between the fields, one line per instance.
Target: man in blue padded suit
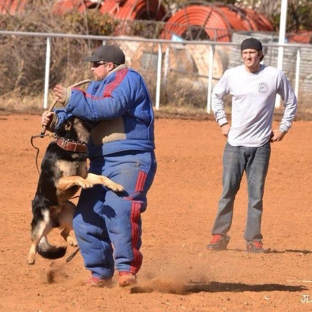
pixel 107 225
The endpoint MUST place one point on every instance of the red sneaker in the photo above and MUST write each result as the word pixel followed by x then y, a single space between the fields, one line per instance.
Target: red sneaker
pixel 126 279
pixel 99 282
pixel 219 242
pixel 255 246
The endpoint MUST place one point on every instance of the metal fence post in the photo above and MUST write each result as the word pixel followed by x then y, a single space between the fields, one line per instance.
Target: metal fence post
pixel 297 72
pixel 211 58
pixel 159 64
pixel 47 73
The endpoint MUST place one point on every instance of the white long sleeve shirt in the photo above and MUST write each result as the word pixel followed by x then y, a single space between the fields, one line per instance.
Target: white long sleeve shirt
pixel 253 102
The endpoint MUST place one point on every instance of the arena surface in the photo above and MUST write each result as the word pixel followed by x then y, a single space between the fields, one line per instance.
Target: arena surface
pixel 178 272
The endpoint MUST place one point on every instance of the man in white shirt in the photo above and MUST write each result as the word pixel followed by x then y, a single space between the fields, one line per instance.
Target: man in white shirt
pixel 253 87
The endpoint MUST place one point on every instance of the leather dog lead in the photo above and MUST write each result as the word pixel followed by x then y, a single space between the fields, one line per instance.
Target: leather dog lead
pixel 43 129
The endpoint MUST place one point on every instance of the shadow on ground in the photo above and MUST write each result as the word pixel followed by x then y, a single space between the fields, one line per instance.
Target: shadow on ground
pixel 212 287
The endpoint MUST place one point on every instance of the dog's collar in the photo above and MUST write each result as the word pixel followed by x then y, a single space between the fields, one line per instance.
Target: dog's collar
pixel 71 146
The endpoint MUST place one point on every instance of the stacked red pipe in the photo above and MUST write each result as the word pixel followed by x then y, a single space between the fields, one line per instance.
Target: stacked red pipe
pixel 302 36
pixel 216 20
pixel 261 22
pixel 134 9
pixel 121 9
pixel 207 18
pixel 200 20
pixel 62 6
pixel 12 6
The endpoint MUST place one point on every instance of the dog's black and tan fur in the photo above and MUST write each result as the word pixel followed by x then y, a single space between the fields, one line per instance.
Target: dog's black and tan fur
pixel 63 172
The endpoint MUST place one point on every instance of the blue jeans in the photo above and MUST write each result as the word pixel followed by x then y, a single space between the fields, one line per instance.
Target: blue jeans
pixel 108 225
pixel 255 162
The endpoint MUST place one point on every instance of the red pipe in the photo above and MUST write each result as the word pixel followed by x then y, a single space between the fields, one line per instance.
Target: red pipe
pixel 63 6
pixel 111 6
pixel 12 6
pixel 263 24
pixel 142 10
pixel 303 36
pixel 217 20
pixel 236 19
pixel 134 9
pixel 206 17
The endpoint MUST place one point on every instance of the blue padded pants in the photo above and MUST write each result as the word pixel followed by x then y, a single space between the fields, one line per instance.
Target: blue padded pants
pixel 107 225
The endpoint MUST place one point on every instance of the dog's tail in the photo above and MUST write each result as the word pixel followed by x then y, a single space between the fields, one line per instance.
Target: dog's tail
pixel 48 251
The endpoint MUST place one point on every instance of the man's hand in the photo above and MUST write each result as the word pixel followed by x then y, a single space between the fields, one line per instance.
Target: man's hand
pixel 49 120
pixel 277 135
pixel 62 94
pixel 46 118
pixel 225 129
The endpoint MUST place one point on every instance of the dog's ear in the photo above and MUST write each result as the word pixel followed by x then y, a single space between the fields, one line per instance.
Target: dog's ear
pixel 68 125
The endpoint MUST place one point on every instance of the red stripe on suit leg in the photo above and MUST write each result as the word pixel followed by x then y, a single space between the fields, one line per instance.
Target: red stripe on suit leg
pixel 135 218
pixel 140 181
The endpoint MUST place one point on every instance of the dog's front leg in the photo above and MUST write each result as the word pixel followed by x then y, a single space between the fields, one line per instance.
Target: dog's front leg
pixel 65 183
pixel 97 179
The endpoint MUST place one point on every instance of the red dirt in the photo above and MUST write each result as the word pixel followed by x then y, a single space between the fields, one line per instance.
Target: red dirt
pixel 178 272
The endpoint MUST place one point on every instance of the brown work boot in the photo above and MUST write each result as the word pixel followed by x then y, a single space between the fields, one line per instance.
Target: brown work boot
pixel 126 279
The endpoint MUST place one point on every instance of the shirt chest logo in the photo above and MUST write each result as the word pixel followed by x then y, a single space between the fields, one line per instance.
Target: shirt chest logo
pixel 263 87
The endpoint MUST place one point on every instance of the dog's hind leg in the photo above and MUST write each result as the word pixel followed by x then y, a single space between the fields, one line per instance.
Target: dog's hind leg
pixel 66 222
pixel 39 229
pixel 32 253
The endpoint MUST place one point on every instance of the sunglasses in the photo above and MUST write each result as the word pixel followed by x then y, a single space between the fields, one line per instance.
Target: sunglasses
pixel 97 64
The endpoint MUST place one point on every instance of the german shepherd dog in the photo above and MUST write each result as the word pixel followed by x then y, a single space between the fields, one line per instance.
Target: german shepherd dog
pixel 63 172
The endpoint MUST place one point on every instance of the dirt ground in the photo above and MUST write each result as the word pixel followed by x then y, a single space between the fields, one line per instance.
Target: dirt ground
pixel 178 272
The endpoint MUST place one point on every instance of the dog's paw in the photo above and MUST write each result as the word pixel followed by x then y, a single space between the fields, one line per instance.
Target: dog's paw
pixel 85 184
pixel 71 241
pixel 31 259
pixel 116 187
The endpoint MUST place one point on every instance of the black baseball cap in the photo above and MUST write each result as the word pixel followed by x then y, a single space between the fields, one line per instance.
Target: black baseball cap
pixel 251 43
pixel 107 53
